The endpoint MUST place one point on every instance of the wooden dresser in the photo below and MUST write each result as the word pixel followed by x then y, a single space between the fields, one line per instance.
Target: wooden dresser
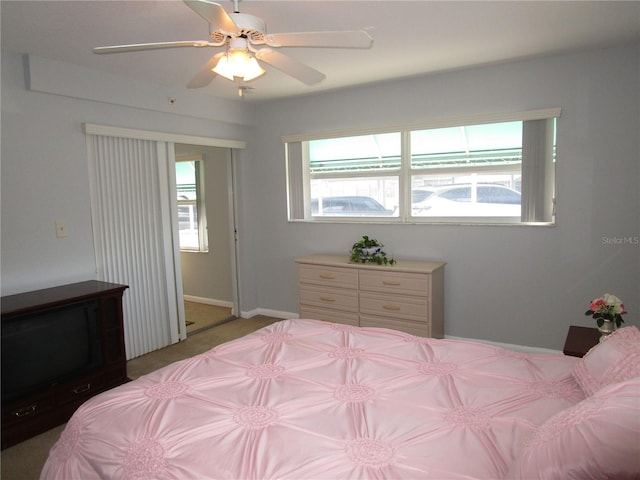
pixel 407 296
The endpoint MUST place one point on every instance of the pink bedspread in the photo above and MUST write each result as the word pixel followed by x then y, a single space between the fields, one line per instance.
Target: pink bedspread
pixel 303 399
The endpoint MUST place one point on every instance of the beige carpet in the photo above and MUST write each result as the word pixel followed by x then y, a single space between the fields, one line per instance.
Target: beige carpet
pixel 24 461
pixel 200 316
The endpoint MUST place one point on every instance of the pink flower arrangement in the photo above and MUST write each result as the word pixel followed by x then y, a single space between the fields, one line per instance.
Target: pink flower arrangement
pixel 608 307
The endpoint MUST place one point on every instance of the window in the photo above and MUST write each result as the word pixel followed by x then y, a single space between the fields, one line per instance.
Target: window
pixel 470 171
pixel 490 170
pixel 355 176
pixel 192 225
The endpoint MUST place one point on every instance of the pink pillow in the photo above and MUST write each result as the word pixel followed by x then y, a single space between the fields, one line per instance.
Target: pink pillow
pixel 613 360
pixel 598 438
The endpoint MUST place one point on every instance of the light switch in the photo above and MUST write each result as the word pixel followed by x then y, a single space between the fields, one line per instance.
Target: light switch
pixel 61 230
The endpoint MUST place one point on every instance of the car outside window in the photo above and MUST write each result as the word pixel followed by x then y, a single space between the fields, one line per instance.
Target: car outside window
pixel 495 194
pixel 459 194
pixel 469 200
pixel 420 195
pixel 350 206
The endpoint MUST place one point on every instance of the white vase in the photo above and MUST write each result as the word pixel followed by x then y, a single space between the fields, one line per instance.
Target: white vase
pixel 370 251
pixel 607 328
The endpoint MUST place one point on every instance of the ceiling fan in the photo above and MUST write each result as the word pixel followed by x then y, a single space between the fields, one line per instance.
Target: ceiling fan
pixel 243 35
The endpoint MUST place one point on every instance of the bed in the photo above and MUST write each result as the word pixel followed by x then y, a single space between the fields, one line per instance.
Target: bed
pixel 305 399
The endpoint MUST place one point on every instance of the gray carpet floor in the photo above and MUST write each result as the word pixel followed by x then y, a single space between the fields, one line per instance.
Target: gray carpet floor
pixel 25 460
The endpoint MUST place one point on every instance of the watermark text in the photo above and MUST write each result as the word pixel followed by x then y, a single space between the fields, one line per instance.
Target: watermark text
pixel 621 240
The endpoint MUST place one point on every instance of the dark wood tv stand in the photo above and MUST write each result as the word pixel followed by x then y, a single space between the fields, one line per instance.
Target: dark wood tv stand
pixel 36 412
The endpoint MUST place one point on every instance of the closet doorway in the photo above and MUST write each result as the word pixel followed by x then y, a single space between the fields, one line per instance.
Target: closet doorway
pixel 204 195
pixel 134 217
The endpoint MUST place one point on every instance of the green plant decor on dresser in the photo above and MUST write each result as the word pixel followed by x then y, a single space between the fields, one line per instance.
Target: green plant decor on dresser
pixel 369 250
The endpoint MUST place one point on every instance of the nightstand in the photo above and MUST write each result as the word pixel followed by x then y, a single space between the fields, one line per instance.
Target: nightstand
pixel 580 340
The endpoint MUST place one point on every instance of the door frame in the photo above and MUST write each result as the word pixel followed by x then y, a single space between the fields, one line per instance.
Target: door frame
pixel 170 139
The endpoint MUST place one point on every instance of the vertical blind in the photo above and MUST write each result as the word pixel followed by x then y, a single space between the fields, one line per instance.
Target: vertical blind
pixel 538 172
pixel 295 180
pixel 131 208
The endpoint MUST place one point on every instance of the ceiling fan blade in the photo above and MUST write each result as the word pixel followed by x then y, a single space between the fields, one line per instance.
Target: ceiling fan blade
pixel 149 46
pixel 291 67
pixel 341 39
pixel 214 14
pixel 205 75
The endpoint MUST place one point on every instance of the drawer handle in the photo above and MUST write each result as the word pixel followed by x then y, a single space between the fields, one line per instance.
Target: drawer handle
pixel 327 299
pixel 24 411
pixel 391 307
pixel 327 276
pixel 83 388
pixel 391 282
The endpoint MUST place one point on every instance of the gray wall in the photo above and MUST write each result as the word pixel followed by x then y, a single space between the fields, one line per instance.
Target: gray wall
pixel 513 284
pixel 521 285
pixel 44 159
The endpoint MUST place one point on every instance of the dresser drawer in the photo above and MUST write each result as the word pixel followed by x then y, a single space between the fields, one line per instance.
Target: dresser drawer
pixel 335 298
pixel 328 315
pixel 328 276
pixel 414 328
pixel 394 282
pixel 395 306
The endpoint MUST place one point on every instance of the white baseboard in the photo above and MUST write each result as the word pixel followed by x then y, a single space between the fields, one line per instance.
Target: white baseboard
pixel 208 301
pixel 269 313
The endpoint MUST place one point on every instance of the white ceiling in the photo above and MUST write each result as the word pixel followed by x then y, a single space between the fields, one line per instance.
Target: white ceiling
pixel 410 37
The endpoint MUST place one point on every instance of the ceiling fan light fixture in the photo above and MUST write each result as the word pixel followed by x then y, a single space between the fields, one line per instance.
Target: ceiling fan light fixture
pixel 238 63
pixel 244 36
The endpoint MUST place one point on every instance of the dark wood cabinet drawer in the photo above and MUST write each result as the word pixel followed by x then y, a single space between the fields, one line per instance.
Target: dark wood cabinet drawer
pixel 20 411
pixel 80 389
